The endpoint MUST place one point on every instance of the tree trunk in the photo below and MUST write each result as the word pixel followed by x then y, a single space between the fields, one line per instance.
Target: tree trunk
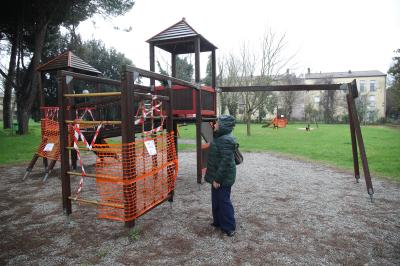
pixel 23 119
pixel 27 93
pixel 248 121
pixel 7 106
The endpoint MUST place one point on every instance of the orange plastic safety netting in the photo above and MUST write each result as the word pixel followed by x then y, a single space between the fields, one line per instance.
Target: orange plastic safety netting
pixel 130 180
pixel 50 144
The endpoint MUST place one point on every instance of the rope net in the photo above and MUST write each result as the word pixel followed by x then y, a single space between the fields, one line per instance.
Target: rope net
pixel 133 178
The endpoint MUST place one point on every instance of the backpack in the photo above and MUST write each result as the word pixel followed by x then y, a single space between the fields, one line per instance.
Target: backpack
pixel 238 155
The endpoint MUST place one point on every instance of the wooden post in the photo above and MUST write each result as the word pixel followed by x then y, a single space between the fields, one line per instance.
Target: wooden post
pixel 42 114
pixel 175 124
pixel 214 77
pixel 69 114
pixel 96 112
pixel 198 109
pixel 128 136
pixel 64 156
pixel 48 170
pixel 170 126
pixel 353 141
pixel 30 166
pixel 152 63
pixel 45 162
pixel 175 128
pixel 173 65
pixel 360 142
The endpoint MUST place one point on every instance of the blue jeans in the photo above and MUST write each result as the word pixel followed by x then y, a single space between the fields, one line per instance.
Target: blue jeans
pixel 222 209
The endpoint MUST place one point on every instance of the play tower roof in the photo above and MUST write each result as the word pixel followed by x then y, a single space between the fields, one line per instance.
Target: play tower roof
pixel 178 39
pixel 68 60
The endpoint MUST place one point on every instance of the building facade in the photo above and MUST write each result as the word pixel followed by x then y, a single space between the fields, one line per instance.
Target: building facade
pixel 371 86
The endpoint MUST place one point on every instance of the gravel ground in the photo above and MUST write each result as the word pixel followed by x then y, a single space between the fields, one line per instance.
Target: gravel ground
pixel 288 212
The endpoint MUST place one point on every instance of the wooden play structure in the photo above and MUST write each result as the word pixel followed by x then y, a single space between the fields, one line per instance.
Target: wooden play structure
pixel 279 122
pixel 139 173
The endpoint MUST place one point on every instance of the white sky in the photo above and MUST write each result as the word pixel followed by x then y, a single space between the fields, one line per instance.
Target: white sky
pixel 325 35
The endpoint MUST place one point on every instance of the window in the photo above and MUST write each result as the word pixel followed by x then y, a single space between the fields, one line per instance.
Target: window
pixel 316 99
pixel 371 102
pixel 362 86
pixel 372 86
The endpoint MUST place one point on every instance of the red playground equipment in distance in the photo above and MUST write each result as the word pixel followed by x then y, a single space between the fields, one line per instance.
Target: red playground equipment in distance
pixel 279 122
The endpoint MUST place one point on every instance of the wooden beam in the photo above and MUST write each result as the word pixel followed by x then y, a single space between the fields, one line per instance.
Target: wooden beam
pixel 96 94
pixel 353 141
pixel 361 147
pixel 87 122
pixel 95 202
pixel 160 77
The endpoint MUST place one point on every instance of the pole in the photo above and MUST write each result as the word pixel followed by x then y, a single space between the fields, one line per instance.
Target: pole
pixel 128 136
pixel 353 141
pixel 64 156
pixel 198 110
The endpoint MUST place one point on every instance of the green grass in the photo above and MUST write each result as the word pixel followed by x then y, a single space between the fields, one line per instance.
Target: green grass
pixel 329 144
pixel 17 149
pixel 134 234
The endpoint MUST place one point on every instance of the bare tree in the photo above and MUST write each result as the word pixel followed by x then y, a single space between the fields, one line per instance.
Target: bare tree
pixel 328 103
pixel 229 76
pixel 270 64
pixel 254 66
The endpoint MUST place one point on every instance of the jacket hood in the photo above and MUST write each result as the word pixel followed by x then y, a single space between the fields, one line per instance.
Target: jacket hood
pixel 226 125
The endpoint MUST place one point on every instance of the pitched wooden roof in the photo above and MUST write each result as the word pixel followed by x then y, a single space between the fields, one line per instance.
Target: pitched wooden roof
pixel 179 39
pixel 68 60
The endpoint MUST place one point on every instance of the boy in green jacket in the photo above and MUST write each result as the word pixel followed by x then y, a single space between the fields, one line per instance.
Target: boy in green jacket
pixel 221 174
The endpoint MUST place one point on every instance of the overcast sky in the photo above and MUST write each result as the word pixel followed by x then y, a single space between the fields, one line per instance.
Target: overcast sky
pixel 325 35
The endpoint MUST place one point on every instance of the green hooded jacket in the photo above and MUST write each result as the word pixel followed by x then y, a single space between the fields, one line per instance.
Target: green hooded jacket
pixel 221 165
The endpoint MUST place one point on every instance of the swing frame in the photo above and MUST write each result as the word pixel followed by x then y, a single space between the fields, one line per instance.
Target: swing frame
pixel 354 123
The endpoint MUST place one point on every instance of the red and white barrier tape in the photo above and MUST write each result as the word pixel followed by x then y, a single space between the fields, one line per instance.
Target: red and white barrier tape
pixel 146 113
pixel 78 134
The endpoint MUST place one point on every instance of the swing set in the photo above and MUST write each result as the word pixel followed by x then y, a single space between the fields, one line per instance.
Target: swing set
pixel 355 129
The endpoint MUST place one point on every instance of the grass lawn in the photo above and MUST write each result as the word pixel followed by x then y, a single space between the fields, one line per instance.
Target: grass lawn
pixel 17 149
pixel 328 143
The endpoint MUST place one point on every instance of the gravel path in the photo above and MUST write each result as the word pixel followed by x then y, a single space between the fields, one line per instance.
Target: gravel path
pixel 287 211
